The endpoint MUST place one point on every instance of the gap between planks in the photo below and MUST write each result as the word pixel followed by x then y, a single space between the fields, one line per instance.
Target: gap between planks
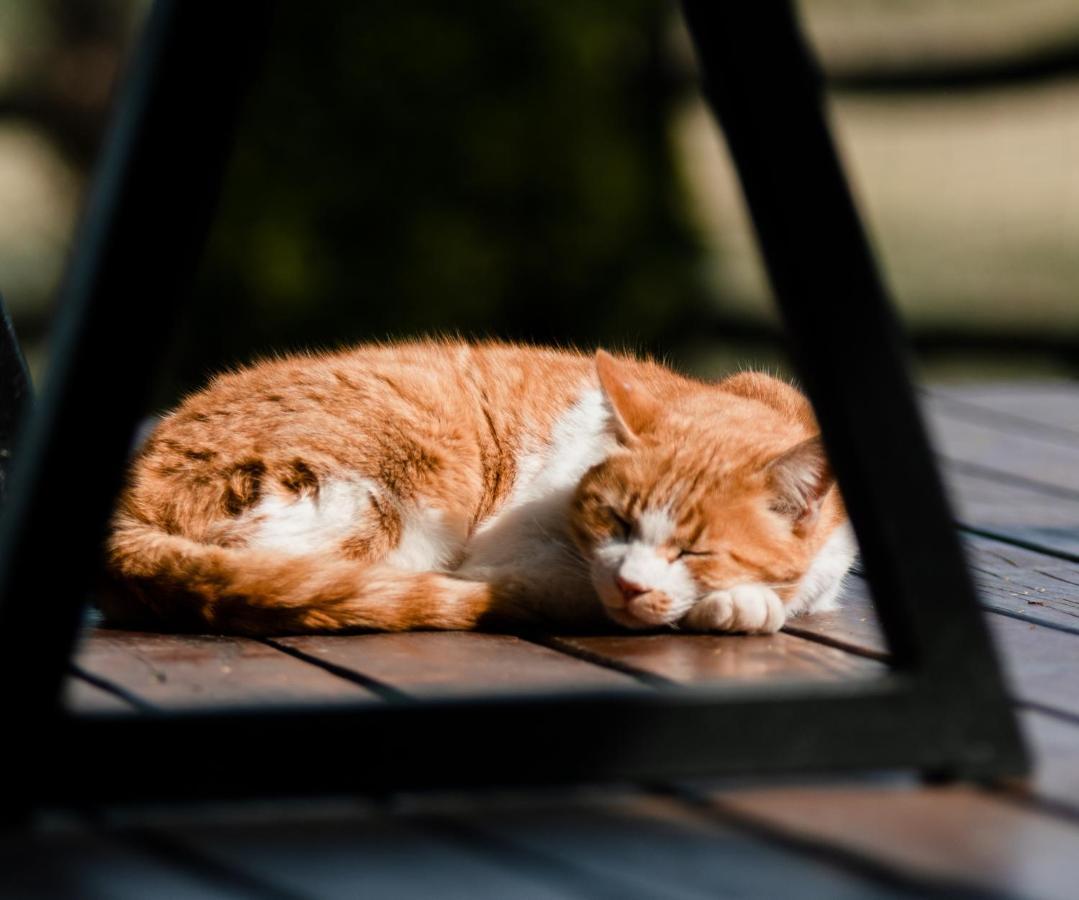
pixel 1011 477
pixel 555 844
pixel 1014 839
pixel 674 664
pixel 966 808
pixel 1034 409
pixel 1047 817
pixel 160 672
pixel 1049 792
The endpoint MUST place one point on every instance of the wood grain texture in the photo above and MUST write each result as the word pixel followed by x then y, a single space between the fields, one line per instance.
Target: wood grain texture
pixel 171 671
pixel 1058 541
pixel 84 864
pixel 1008 579
pixel 354 857
pixel 959 835
pixel 535 846
pixel 441 663
pixel 1041 661
pixel 1011 460
pixel 1024 582
pixel 80 696
pixel 853 626
pixel 1051 405
pixel 657 847
pixel 1054 743
pixel 1041 664
pixel 694 659
pixel 1052 463
pixel 985 501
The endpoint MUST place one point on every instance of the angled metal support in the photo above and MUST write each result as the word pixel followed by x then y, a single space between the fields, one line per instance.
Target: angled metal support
pixel 847 344
pixel 135 253
pixel 16 391
pixel 944 709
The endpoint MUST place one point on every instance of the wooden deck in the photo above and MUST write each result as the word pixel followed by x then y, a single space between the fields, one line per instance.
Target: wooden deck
pixel 1011 455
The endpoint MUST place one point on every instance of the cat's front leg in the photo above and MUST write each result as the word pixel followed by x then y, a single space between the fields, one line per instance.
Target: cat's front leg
pixel 750 608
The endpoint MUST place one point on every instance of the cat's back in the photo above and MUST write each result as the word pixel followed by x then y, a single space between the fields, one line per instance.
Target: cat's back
pixel 376 383
pixel 399 413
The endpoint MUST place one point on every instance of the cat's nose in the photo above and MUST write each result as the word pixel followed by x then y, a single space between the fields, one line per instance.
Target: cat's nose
pixel 629 589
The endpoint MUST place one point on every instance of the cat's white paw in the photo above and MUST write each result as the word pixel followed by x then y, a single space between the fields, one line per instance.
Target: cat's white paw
pixel 752 608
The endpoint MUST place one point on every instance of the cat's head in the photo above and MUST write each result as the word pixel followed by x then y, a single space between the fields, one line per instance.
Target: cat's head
pixel 707 490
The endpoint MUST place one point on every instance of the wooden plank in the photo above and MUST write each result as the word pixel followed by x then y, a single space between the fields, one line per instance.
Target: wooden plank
pixel 429 663
pixel 985 501
pixel 657 847
pixel 1041 663
pixel 1015 580
pixel 1054 744
pixel 921 825
pixel 1005 474
pixel 170 671
pixel 1016 514
pixel 80 696
pixel 853 626
pixel 958 835
pixel 1055 464
pixel 692 659
pixel 1009 580
pixel 81 864
pixel 1060 541
pixel 1051 404
pixel 535 845
pixel 349 858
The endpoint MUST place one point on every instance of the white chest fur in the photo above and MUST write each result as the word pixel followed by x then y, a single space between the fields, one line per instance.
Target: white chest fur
pixel 527 535
pixel 819 589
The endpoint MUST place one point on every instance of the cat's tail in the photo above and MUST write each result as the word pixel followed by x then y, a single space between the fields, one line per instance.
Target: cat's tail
pixel 161 580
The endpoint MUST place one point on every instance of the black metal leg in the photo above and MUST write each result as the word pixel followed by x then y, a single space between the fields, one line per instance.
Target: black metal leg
pixel 847 344
pixel 136 250
pixel 15 394
pixel 946 711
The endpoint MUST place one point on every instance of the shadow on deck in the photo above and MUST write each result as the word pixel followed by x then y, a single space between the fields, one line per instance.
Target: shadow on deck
pixel 1011 455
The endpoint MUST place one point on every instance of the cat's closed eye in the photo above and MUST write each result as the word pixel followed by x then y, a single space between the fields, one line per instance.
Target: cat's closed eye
pixel 620 524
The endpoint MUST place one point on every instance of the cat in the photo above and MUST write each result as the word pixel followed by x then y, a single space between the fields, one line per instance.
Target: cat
pixel 447 485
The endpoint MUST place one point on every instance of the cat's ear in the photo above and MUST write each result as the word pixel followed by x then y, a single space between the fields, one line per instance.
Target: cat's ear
pixel 634 410
pixel 799 478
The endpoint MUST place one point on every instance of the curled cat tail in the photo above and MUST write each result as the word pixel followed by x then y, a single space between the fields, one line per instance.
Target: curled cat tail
pixel 165 581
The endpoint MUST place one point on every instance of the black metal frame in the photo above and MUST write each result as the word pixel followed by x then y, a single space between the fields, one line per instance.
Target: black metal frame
pixel 943 709
pixel 15 393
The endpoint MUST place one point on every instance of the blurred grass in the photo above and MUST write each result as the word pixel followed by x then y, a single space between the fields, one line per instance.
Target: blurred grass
pixel 973 204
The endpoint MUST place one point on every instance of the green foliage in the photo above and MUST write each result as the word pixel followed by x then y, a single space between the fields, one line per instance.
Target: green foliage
pixel 482 167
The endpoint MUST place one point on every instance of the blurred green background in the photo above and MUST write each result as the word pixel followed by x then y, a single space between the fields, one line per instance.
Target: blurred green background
pixel 547 172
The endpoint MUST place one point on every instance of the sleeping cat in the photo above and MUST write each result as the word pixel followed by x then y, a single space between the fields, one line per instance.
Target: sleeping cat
pixel 461 486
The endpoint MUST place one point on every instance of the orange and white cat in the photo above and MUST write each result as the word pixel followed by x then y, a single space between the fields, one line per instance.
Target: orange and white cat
pixel 463 486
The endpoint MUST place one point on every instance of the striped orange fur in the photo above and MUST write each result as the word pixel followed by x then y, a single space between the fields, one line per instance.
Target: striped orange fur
pixel 456 486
